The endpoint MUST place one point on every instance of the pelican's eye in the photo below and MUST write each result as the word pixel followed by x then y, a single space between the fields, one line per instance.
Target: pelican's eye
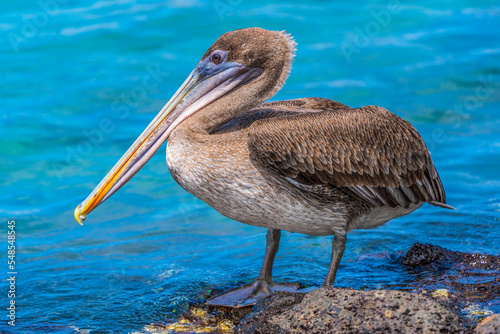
pixel 216 58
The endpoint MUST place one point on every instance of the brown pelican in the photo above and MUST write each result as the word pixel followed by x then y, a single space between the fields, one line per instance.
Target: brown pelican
pixel 310 165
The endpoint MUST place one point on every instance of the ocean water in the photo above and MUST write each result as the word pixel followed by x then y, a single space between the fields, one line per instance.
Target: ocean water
pixel 74 98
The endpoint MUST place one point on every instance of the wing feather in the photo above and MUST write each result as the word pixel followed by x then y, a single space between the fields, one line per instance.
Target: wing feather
pixel 368 152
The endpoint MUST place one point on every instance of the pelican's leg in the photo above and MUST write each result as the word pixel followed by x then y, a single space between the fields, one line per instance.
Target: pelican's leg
pixel 338 246
pixel 272 244
pixel 263 286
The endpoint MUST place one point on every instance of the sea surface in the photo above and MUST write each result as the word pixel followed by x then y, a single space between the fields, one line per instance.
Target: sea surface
pixel 80 80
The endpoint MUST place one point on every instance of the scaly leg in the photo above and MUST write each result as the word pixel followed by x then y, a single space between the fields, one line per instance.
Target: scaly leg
pixel 263 286
pixel 272 244
pixel 338 246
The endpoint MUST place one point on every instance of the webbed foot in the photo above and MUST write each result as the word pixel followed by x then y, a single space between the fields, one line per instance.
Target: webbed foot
pixel 251 293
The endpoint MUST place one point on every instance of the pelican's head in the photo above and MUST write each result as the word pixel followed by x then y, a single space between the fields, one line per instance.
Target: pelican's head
pixel 254 58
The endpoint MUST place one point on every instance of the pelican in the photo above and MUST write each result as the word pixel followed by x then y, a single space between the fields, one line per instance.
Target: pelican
pixel 308 165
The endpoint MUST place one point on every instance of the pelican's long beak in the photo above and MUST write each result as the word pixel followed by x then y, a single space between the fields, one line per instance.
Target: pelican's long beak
pixel 200 89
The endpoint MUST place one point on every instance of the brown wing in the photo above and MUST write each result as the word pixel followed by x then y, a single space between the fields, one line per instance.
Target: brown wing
pixel 367 152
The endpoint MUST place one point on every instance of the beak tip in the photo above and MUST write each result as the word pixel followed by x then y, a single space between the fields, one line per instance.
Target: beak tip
pixel 78 216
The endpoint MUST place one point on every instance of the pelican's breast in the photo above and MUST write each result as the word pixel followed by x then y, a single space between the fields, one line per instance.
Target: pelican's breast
pixel 220 173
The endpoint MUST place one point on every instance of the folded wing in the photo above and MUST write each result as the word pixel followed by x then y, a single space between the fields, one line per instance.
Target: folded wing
pixel 368 152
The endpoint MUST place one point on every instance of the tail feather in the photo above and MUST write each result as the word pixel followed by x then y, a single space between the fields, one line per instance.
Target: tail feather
pixel 441 205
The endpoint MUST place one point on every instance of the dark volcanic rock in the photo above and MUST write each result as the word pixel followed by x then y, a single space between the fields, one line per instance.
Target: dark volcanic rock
pixel 490 325
pixel 470 282
pixel 332 310
pixel 419 255
pixel 423 254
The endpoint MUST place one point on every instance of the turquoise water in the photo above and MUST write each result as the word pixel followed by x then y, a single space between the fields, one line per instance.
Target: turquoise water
pixel 74 99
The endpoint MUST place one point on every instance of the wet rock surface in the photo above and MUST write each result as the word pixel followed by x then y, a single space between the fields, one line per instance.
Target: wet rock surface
pixel 331 310
pixel 468 283
pixel 420 255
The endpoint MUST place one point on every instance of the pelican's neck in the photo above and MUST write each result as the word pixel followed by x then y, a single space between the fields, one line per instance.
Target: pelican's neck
pixel 215 115
pixel 224 109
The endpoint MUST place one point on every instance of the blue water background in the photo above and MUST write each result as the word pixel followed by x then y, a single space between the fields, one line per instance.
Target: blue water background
pixel 77 89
